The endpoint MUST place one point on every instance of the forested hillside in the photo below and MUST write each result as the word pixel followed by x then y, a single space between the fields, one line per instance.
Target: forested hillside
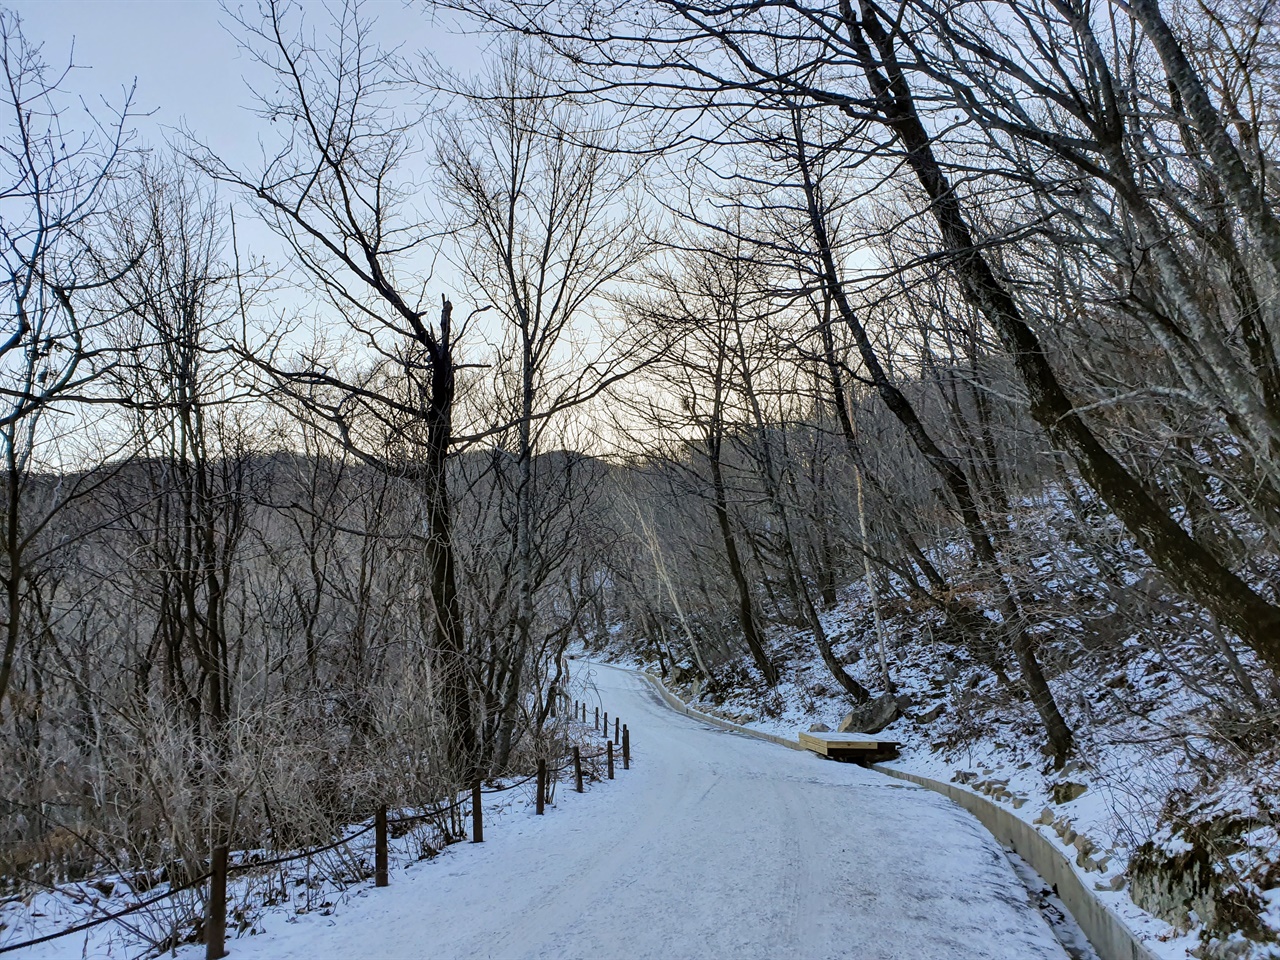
pixel 899 358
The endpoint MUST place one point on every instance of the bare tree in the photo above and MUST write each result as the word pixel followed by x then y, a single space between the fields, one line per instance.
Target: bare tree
pixel 339 193
pixel 694 313
pixel 52 199
pixel 546 227
pixel 173 309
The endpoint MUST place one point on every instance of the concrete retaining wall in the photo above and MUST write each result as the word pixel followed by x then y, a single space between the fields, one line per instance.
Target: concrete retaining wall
pixel 1110 937
pixel 1106 931
pixel 680 706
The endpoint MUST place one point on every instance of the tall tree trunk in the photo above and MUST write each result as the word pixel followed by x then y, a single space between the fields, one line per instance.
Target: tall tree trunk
pixel 773 491
pixel 1185 561
pixel 746 610
pixel 450 636
pixel 952 475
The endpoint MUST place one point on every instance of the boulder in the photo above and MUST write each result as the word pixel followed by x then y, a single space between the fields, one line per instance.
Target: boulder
pixel 1064 791
pixel 932 714
pixel 871 717
pixel 819 728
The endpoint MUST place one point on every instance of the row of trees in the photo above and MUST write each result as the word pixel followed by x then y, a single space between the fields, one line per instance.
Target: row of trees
pixel 962 304
pixel 284 542
pixel 1060 213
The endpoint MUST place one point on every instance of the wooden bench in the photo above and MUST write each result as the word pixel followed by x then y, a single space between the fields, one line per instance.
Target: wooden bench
pixel 859 747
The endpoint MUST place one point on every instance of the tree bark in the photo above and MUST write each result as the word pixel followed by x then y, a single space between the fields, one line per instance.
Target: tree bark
pixel 450 638
pixel 952 475
pixel 1185 561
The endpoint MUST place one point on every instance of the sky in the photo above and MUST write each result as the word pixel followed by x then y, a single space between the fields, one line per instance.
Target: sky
pixel 187 66
pixel 190 74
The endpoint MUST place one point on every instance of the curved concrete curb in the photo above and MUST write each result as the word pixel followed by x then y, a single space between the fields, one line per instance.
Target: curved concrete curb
pixel 680 706
pixel 1111 938
pixel 1108 934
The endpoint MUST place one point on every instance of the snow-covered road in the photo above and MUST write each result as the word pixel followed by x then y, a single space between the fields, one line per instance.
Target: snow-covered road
pixel 713 845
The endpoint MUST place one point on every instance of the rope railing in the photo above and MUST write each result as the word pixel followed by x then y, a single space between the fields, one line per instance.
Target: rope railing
pixel 380 825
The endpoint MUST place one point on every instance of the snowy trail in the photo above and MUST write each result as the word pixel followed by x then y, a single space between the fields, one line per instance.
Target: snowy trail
pixel 713 845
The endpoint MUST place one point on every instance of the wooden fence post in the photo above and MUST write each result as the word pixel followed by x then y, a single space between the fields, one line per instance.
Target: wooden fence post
pixel 609 746
pixel 215 921
pixel 577 769
pixel 626 748
pixel 615 730
pixel 605 729
pixel 477 816
pixel 380 846
pixel 597 718
pixel 542 786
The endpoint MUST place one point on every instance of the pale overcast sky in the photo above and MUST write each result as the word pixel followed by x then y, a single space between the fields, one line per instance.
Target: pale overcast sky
pixel 188 68
pixel 191 73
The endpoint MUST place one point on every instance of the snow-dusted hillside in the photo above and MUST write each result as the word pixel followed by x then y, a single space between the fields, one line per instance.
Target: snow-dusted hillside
pixel 1167 808
pixel 710 846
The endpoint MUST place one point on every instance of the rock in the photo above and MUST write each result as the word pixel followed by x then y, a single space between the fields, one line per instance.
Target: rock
pixel 819 728
pixel 871 717
pixel 1018 802
pixel 1064 791
pixel 905 701
pixel 1046 817
pixel 1069 837
pixel 932 714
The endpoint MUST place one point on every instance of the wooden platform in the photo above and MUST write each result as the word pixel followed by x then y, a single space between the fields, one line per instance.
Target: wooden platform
pixel 858 747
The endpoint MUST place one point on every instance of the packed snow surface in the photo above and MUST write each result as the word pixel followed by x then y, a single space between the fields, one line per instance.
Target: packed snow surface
pixel 712 845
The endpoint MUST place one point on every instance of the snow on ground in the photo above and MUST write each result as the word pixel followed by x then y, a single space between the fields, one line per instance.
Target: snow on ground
pixel 1125 780
pixel 713 845
pixel 1054 910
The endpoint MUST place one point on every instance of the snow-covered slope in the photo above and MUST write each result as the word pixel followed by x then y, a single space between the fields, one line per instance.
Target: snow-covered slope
pixel 1135 809
pixel 713 845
